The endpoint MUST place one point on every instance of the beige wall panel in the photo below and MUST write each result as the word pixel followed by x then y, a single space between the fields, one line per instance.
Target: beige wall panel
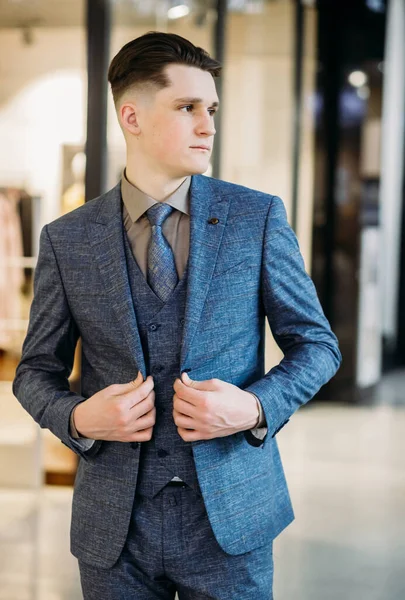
pixel 267 33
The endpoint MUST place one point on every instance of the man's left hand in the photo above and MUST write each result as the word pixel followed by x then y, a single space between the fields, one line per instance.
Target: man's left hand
pixel 203 410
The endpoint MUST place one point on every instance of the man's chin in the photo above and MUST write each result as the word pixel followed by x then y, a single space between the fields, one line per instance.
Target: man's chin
pixel 185 170
pixel 200 169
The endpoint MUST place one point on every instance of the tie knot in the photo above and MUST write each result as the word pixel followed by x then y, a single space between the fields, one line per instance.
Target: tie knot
pixel 158 213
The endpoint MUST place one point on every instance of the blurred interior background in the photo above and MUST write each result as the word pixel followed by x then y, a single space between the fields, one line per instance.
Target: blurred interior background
pixel 312 109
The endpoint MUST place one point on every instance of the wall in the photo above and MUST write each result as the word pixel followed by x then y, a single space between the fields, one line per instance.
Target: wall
pixel 42 106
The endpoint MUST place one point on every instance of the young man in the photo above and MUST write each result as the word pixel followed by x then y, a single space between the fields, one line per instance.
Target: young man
pixel 168 278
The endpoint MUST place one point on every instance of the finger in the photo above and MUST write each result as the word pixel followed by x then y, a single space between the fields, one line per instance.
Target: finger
pixel 143 435
pixel 207 384
pixel 183 407
pixel 188 393
pixel 134 395
pixel 143 421
pixel 123 388
pixel 144 405
pixel 190 435
pixel 147 386
pixel 138 379
pixel 184 421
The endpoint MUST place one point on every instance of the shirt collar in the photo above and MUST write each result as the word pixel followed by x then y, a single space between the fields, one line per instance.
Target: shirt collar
pixel 137 202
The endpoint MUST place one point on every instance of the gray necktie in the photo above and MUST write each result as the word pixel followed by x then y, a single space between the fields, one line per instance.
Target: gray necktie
pixel 162 274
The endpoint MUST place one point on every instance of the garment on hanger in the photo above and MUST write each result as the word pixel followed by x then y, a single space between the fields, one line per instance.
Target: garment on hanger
pixel 11 271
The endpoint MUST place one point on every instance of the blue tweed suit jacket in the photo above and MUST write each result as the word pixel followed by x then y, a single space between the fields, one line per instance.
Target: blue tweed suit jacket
pixel 244 265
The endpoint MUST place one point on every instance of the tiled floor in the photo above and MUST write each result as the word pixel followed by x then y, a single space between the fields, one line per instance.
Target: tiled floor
pixel 345 467
pixel 35 562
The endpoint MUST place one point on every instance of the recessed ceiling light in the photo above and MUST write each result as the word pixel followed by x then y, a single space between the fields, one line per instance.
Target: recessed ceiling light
pixel 357 79
pixel 176 12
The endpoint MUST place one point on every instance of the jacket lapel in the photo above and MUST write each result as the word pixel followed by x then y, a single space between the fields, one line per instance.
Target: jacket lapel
pixel 205 240
pixel 106 233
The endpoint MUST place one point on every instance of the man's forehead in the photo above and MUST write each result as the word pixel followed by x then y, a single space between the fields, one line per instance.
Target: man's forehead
pixel 190 85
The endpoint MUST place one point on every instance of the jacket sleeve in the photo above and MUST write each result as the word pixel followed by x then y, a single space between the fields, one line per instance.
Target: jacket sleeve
pixel 41 382
pixel 298 324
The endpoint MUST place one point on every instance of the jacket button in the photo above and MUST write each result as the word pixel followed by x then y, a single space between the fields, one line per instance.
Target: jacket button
pixel 134 445
pixel 182 321
pixel 153 327
pixel 162 453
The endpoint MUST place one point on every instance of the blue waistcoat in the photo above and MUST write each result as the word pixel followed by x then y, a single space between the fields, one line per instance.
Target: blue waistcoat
pixel 160 328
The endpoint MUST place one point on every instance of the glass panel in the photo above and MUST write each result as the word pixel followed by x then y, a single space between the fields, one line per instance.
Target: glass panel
pixel 258 111
pixel 42 125
pixel 42 128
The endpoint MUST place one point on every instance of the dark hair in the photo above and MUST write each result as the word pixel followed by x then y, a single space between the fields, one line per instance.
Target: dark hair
pixel 143 60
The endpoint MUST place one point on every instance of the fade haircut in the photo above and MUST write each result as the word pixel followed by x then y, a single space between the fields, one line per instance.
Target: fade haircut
pixel 141 62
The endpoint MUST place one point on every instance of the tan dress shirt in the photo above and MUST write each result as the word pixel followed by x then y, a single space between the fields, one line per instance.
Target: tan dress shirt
pixel 176 229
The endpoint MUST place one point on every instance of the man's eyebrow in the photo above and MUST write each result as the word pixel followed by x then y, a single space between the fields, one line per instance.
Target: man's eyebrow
pixel 193 101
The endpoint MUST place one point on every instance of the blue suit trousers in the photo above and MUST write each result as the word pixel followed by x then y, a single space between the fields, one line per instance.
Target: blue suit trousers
pixel 171 548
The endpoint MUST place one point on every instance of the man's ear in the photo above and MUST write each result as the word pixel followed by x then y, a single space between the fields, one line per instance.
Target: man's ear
pixel 128 117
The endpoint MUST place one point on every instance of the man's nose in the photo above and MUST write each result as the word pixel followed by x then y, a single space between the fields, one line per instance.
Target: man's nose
pixel 206 126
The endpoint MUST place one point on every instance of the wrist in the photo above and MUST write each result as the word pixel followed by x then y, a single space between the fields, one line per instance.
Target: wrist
pixel 76 422
pixel 256 412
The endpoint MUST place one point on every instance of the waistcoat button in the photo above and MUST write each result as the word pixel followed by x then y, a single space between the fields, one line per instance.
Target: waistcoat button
pixel 134 445
pixel 182 321
pixel 162 453
pixel 153 327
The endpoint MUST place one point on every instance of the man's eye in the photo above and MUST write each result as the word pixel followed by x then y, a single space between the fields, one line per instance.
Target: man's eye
pixel 188 106
pixel 212 111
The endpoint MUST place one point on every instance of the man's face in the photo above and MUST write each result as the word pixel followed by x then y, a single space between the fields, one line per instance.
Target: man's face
pixel 177 120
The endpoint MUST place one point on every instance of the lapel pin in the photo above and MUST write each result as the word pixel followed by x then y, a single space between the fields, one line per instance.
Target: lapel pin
pixel 213 221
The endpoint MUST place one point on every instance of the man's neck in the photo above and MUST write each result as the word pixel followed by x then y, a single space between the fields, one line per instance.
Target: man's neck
pixel 155 185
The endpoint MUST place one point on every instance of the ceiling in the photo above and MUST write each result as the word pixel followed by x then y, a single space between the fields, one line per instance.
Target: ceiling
pixel 72 13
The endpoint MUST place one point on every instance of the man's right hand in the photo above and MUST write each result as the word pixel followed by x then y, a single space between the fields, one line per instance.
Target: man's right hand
pixel 120 412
